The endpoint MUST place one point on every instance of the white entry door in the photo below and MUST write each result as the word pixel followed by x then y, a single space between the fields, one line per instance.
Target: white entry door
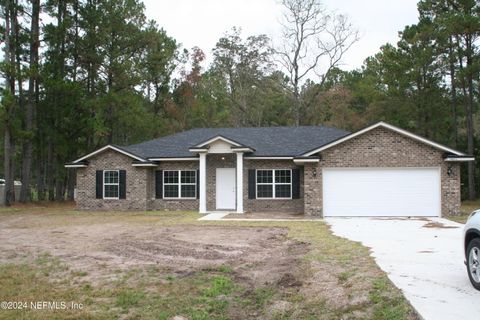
pixel 381 192
pixel 225 192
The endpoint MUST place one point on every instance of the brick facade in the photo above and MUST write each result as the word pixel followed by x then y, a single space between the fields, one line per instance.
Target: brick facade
pixel 136 183
pixel 313 190
pixel 377 148
pixel 383 148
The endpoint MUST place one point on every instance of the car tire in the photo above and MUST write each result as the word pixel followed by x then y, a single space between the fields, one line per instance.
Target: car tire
pixel 473 262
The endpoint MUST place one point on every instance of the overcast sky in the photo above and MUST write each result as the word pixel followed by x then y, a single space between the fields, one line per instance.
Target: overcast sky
pixel 202 22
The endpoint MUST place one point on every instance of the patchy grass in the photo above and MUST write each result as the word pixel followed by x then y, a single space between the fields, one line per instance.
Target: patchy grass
pixel 387 306
pixel 334 278
pixel 465 209
pixel 45 279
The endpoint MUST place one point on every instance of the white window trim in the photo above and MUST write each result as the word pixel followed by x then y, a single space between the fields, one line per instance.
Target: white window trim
pixel 111 184
pixel 180 184
pixel 273 184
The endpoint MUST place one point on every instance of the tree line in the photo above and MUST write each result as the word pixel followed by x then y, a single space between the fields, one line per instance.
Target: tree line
pixel 78 74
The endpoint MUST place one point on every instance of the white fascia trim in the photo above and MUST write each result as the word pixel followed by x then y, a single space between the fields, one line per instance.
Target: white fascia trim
pixel 268 158
pixel 306 160
pixel 113 148
pixel 242 150
pixel 198 149
pixel 144 165
pixel 215 139
pixel 390 127
pixel 76 166
pixel 460 159
pixel 175 159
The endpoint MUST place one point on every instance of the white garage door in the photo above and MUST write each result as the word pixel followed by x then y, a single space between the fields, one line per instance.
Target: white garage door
pixel 381 192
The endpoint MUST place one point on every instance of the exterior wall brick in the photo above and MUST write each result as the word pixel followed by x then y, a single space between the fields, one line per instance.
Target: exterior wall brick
pixel 383 148
pixel 140 187
pixel 313 190
pixel 136 180
pixel 269 205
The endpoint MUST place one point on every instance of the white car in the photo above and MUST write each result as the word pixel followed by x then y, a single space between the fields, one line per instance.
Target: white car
pixel 17 183
pixel 472 248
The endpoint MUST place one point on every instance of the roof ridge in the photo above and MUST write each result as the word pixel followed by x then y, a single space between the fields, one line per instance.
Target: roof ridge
pixel 266 127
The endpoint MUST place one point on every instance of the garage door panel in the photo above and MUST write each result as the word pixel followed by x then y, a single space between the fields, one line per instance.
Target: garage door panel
pixel 381 192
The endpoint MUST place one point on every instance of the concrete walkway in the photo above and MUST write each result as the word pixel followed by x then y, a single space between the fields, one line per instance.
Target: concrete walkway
pixel 424 258
pixel 214 216
pixel 220 216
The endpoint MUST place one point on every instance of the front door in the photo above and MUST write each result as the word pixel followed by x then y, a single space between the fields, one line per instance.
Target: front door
pixel 225 191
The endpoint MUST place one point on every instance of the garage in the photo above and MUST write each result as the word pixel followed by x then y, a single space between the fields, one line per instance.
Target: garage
pixel 381 192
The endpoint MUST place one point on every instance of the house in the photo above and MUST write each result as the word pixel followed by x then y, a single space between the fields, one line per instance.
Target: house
pixel 380 170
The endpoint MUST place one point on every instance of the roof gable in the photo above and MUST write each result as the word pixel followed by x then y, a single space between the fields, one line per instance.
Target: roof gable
pixel 389 127
pixel 109 147
pixel 218 138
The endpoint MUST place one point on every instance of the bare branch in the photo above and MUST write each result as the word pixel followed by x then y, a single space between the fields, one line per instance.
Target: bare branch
pixel 313 38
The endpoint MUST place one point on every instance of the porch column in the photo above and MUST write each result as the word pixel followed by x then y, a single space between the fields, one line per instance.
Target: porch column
pixel 203 182
pixel 239 182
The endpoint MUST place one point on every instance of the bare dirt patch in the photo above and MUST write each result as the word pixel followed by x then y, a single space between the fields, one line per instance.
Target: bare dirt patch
pixel 399 218
pixel 438 225
pixel 257 253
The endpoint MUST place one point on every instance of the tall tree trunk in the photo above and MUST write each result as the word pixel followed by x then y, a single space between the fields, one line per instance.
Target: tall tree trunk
pixel 453 91
pixel 40 177
pixel 50 173
pixel 59 188
pixel 72 175
pixel 296 100
pixel 7 165
pixel 470 127
pixel 31 105
pixel 10 89
pixel 468 103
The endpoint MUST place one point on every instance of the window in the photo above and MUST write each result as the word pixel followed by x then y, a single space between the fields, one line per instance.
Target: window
pixel 275 184
pixel 110 184
pixel 180 184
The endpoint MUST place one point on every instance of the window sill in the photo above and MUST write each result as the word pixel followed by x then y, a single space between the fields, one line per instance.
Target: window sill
pixel 176 199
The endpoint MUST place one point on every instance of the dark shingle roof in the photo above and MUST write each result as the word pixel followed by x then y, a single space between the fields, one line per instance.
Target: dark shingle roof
pixel 266 141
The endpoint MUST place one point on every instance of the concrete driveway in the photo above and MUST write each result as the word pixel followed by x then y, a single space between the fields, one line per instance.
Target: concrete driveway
pixel 423 258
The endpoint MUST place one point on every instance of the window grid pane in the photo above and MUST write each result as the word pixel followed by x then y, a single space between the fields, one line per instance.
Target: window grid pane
pixel 264 176
pixel 170 176
pixel 283 176
pixel 189 177
pixel 171 191
pixel 283 191
pixel 111 176
pixel 111 191
pixel 188 191
pixel 265 191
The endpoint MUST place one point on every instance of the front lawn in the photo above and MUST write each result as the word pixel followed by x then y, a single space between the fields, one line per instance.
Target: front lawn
pixel 157 265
